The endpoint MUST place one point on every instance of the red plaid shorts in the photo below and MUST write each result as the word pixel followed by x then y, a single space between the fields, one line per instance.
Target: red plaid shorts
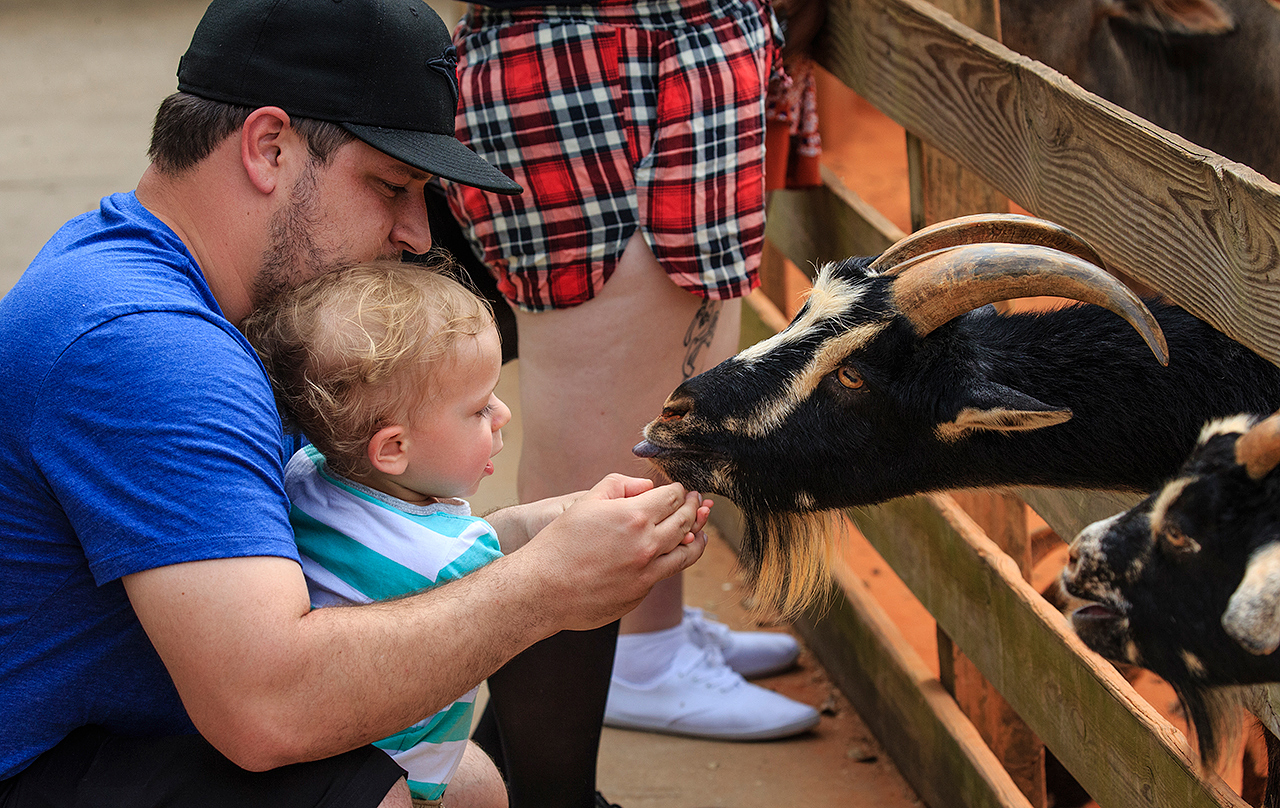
pixel 613 117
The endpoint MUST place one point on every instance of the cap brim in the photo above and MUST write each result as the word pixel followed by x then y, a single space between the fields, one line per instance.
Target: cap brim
pixel 442 155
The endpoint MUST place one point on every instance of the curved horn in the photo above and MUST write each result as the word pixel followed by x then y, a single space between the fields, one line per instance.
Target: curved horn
pixel 934 288
pixel 1258 450
pixel 984 228
pixel 1252 617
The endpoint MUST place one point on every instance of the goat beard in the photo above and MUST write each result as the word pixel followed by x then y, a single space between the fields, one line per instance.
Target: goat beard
pixel 1215 715
pixel 786 557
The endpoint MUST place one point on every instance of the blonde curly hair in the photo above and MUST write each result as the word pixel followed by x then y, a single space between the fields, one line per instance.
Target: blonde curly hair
pixel 353 350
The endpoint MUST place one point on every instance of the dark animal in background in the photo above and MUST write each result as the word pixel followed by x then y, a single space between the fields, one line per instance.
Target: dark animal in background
pixel 1208 70
pixel 1187 582
pixel 895 378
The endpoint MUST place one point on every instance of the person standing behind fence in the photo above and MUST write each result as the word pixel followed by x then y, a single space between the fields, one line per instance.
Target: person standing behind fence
pixel 637 132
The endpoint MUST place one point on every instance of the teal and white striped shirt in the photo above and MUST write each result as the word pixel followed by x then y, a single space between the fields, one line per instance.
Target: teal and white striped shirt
pixel 359 545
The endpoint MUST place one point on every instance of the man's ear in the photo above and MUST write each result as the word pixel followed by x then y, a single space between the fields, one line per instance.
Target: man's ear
pixel 388 450
pixel 261 142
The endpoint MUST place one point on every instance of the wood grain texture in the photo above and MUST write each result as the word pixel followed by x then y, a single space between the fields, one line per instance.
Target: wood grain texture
pixel 1200 228
pixel 1119 748
pixel 814 226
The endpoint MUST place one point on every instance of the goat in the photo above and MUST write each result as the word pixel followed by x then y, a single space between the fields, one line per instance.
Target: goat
pixel 896 378
pixel 1187 582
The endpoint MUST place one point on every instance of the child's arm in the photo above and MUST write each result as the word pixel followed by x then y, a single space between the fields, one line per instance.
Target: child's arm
pixel 516 524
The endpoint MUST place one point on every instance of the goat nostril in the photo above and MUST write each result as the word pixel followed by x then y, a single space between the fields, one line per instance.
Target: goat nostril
pixel 675 412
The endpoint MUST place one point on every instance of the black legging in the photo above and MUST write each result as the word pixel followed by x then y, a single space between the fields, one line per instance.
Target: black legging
pixel 542 724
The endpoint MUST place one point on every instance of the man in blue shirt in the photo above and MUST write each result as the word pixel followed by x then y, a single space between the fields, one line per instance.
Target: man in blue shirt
pixel 149 583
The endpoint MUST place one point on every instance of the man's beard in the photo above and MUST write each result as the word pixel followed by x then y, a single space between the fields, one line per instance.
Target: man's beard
pixel 292 256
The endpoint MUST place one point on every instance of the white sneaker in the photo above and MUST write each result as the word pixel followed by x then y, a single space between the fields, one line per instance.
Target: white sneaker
pixel 751 653
pixel 700 696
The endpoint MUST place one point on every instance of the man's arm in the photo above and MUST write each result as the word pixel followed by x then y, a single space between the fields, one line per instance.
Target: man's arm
pixel 269 681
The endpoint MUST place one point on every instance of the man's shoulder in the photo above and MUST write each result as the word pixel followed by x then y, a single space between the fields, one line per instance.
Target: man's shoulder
pixel 113 260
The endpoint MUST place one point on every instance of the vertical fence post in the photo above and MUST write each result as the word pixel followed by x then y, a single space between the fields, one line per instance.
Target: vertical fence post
pixel 942 189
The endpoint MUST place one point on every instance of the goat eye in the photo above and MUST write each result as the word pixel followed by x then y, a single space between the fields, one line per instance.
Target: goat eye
pixel 1178 542
pixel 849 377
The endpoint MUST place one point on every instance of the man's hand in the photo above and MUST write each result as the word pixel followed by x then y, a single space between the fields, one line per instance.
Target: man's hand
pixel 517 524
pixel 613 543
pixel 270 681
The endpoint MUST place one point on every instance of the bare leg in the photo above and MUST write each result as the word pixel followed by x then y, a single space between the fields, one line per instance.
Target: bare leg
pixel 593 375
pixel 590 378
pixel 476 783
pixel 398 796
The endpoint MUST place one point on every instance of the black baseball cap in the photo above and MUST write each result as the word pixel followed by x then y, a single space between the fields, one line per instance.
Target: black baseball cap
pixel 385 70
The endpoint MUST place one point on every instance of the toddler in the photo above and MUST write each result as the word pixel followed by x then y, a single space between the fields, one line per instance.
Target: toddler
pixel 389 370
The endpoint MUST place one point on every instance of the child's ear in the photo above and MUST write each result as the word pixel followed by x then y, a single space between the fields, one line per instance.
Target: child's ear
pixel 388 450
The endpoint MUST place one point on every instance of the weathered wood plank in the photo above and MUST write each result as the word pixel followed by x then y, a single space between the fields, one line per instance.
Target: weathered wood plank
pixel 1202 229
pixel 817 225
pixel 1066 511
pixel 1002 518
pixel 932 743
pixel 1118 747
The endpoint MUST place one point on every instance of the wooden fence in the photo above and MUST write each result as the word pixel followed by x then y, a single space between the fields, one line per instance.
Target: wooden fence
pixel 986 125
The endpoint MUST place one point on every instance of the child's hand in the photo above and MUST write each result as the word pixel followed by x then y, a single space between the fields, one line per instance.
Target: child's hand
pixel 517 524
pixel 704 513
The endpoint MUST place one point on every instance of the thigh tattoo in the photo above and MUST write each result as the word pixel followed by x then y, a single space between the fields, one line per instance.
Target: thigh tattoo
pixel 702 330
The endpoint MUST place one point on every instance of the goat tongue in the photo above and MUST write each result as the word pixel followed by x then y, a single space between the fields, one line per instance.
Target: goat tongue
pixel 1094 611
pixel 646 449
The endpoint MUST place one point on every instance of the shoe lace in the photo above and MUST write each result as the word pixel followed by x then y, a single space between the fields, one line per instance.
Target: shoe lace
pixel 705 632
pixel 709 669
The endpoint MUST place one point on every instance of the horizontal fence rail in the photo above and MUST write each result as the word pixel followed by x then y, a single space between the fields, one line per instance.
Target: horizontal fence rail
pixel 1202 230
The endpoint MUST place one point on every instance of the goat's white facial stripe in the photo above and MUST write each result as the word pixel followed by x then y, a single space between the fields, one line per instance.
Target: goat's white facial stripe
pixel 1160 508
pixel 1236 424
pixel 828 298
pixel 1252 617
pixel 824 360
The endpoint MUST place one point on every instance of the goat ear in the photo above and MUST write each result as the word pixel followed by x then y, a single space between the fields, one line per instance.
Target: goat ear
pixel 996 408
pixel 1252 617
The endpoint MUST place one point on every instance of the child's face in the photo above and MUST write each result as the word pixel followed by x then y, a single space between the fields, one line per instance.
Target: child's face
pixel 455 432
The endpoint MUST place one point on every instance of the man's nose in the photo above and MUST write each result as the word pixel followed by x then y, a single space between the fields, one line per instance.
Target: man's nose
pixel 412 230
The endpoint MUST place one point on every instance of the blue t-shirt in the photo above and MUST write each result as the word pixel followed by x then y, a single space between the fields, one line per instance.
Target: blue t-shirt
pixel 137 430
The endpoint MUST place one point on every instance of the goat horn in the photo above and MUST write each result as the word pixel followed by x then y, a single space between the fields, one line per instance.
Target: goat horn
pixel 984 228
pixel 1258 450
pixel 934 288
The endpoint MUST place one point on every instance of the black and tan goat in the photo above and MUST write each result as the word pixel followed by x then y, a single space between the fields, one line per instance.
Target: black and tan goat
pixel 896 378
pixel 1187 582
